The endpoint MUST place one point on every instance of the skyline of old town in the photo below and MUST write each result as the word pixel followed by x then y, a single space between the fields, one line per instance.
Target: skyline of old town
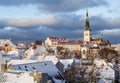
pixel 59 41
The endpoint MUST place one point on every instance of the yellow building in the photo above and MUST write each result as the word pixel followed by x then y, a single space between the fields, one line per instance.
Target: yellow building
pixel 7 48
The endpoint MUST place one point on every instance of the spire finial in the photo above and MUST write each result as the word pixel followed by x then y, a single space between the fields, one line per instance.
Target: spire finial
pixel 87 27
pixel 87 10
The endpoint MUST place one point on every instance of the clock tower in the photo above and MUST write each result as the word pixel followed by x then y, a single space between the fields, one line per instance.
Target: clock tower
pixel 87 30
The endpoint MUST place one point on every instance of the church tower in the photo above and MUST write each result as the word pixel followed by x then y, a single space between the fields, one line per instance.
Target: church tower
pixel 87 30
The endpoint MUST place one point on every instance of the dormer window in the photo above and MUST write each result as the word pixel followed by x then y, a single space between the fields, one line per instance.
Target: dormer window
pixel 19 67
pixel 25 66
pixel 33 68
pixel 26 69
pixel 45 64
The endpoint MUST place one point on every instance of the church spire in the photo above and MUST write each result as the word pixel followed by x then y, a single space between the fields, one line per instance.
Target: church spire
pixel 87 31
pixel 87 26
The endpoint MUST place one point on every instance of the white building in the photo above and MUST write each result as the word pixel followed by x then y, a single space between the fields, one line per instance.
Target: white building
pixel 55 42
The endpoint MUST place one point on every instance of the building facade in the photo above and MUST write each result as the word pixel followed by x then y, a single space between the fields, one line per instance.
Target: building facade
pixel 55 42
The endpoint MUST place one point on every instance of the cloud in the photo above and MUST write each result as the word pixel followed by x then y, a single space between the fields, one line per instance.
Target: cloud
pixel 53 6
pixel 18 34
pixel 111 34
pixel 70 5
pixel 27 23
pixel 70 26
pixel 101 23
pixel 55 22
pixel 35 29
pixel 3 23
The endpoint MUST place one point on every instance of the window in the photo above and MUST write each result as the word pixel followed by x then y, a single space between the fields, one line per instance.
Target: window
pixel 19 67
pixel 33 68
pixel 83 51
pixel 25 66
pixel 26 69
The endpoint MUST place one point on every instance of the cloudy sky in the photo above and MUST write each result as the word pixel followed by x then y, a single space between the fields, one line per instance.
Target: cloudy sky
pixel 29 20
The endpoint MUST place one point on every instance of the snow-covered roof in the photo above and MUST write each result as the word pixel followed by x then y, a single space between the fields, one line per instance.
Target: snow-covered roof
pixel 16 52
pixel 10 56
pixel 107 72
pixel 66 62
pixel 3 42
pixel 104 81
pixel 18 62
pixel 53 58
pixel 35 52
pixel 105 69
pixel 18 78
pixel 3 60
pixel 13 54
pixel 44 67
pixel 99 62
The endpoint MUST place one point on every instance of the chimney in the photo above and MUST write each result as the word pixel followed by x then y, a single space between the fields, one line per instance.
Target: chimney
pixel 4 67
pixel 35 75
pixel 10 67
pixel 40 77
pixel 43 77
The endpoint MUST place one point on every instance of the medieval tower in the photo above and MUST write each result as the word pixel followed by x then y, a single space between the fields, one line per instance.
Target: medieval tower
pixel 87 30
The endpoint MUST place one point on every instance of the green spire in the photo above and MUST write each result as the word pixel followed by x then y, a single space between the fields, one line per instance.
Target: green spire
pixel 87 27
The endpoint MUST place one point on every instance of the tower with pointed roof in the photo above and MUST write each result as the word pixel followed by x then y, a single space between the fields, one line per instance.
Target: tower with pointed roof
pixel 87 30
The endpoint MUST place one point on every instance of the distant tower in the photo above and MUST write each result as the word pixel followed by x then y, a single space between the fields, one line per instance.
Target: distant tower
pixel 87 30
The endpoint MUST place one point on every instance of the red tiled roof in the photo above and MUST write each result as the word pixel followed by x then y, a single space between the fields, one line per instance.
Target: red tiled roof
pixel 73 42
pixel 56 39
